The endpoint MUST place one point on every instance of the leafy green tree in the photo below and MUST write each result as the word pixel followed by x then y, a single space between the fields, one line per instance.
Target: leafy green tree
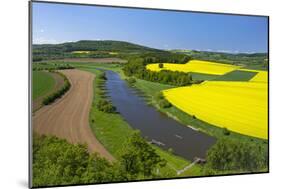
pixel 229 154
pixel 140 160
pixel 57 162
pixel 106 106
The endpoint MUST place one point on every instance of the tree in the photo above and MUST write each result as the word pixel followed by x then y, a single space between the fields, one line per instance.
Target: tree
pixel 229 154
pixel 160 65
pixel 57 162
pixel 140 160
pixel 106 106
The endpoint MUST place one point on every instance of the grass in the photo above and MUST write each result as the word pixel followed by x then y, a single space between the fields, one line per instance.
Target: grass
pixel 151 87
pixel 200 76
pixel 42 83
pixel 113 131
pixel 237 75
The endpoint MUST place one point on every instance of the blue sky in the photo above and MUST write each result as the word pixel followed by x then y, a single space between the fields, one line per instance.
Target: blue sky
pixel 57 23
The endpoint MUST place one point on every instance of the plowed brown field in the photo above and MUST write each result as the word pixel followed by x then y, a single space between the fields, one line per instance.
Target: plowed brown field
pixel 68 117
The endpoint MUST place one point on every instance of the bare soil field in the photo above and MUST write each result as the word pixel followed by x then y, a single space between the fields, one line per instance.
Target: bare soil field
pixel 68 118
pixel 37 103
pixel 93 60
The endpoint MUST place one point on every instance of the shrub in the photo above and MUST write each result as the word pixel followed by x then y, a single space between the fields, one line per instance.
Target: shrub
pixel 170 150
pixel 131 80
pixel 226 131
pixel 161 65
pixel 106 106
pixel 164 103
pixel 159 96
pixel 102 76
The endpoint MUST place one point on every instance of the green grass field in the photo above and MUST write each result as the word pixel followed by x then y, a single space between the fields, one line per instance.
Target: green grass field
pixel 200 76
pixel 237 75
pixel 42 83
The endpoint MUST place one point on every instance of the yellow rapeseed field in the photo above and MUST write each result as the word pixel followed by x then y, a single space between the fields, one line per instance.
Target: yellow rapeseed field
pixel 197 66
pixel 241 107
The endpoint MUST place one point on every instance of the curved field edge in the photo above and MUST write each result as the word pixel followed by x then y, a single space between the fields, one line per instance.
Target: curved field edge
pixel 60 92
pixel 58 84
pixel 43 83
pixel 112 131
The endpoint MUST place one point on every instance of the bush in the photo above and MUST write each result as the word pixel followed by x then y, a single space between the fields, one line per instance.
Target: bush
pixel 170 150
pixel 106 106
pixel 102 76
pixel 226 131
pixel 131 80
pixel 164 103
pixel 159 96
pixel 161 65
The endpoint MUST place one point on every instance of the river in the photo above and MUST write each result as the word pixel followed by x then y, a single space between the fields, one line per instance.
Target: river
pixel 154 125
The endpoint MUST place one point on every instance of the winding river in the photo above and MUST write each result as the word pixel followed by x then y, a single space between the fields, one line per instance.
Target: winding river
pixel 154 125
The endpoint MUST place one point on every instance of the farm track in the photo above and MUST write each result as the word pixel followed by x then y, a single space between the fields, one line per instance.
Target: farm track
pixel 37 103
pixel 68 118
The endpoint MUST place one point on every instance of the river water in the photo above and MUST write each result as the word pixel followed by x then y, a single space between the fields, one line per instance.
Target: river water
pixel 154 125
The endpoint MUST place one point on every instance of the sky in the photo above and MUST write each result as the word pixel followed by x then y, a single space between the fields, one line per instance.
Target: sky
pixel 58 23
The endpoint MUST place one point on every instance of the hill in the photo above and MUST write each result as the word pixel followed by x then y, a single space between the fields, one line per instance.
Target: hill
pixel 94 49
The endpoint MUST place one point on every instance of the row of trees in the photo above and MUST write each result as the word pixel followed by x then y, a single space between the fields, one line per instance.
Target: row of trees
pixel 57 162
pixel 57 94
pixel 176 78
pixel 51 67
pixel 103 104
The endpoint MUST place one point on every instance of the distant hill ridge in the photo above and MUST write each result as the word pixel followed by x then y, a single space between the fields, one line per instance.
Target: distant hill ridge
pixel 95 45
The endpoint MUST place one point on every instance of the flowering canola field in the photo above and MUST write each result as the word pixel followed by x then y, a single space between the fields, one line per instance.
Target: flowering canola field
pixel 238 106
pixel 197 66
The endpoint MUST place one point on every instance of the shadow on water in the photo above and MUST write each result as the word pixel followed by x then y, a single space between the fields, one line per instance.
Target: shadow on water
pixel 155 126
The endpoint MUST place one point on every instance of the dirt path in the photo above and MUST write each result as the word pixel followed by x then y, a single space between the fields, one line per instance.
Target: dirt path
pixel 68 117
pixel 37 103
